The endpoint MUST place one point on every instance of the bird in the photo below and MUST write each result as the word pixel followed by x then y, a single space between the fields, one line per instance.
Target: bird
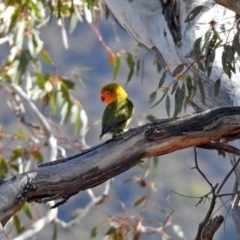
pixel 118 112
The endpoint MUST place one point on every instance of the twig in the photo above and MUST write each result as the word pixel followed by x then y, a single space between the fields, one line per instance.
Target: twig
pixel 184 195
pixel 227 176
pixel 208 215
pixel 221 147
pixel 199 170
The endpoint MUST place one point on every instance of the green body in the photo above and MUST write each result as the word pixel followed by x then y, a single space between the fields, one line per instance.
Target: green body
pixel 116 116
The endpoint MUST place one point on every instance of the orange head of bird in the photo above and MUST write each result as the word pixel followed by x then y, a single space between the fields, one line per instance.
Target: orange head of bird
pixel 112 91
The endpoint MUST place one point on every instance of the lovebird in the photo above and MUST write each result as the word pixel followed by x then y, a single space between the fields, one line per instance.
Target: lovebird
pixel 118 112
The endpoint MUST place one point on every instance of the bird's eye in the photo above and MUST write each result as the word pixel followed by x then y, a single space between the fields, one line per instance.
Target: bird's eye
pixel 107 92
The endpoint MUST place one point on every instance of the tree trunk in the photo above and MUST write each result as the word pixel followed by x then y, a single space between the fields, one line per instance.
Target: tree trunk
pixel 146 23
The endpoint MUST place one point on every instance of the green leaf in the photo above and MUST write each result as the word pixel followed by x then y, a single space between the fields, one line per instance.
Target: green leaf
pixel 3 167
pixel 18 33
pixel 26 209
pixel 183 90
pixel 18 225
pixel 197 52
pixel 53 102
pixel 68 83
pixel 16 153
pixel 194 13
pixel 46 57
pixel 178 69
pixel 117 67
pixel 21 62
pixel 64 36
pixel 228 60
pixel 190 89
pixel 153 186
pixel 168 104
pixel 174 87
pixel 138 66
pixel 209 62
pixel 217 86
pixel 73 23
pixel 40 80
pixel 152 96
pixel 65 112
pixel 75 118
pixel 38 156
pixel 189 85
pixel 201 89
pixel 179 97
pixel 155 165
pixel 35 44
pixel 162 79
pixel 210 46
pixel 93 232
pixel 131 64
pixel 163 96
pixel 236 43
pixel 111 231
pixel 83 119
pixel 139 201
pixel 65 93
pixel 159 67
pixel 20 134
pixel 207 36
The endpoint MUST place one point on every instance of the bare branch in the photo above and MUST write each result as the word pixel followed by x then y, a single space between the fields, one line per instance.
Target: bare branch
pixel 227 176
pixel 211 227
pixel 199 170
pixel 221 147
pixel 63 178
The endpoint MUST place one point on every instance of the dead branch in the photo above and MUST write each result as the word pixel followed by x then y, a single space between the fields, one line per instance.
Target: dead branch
pixel 211 227
pixel 63 178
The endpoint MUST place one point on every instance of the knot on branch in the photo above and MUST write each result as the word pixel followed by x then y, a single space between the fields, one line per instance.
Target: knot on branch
pixel 153 133
pixel 29 187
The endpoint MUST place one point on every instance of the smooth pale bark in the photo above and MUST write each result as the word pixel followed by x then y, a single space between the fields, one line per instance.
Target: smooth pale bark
pixel 2 233
pixel 233 5
pixel 144 21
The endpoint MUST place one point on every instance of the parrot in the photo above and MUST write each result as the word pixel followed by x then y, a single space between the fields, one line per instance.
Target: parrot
pixel 118 112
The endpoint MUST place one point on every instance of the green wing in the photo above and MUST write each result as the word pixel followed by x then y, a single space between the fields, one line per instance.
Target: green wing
pixel 116 116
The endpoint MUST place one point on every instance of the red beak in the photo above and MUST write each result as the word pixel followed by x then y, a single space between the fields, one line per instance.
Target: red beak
pixel 103 98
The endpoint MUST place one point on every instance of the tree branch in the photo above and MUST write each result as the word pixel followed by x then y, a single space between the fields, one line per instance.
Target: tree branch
pixel 63 178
